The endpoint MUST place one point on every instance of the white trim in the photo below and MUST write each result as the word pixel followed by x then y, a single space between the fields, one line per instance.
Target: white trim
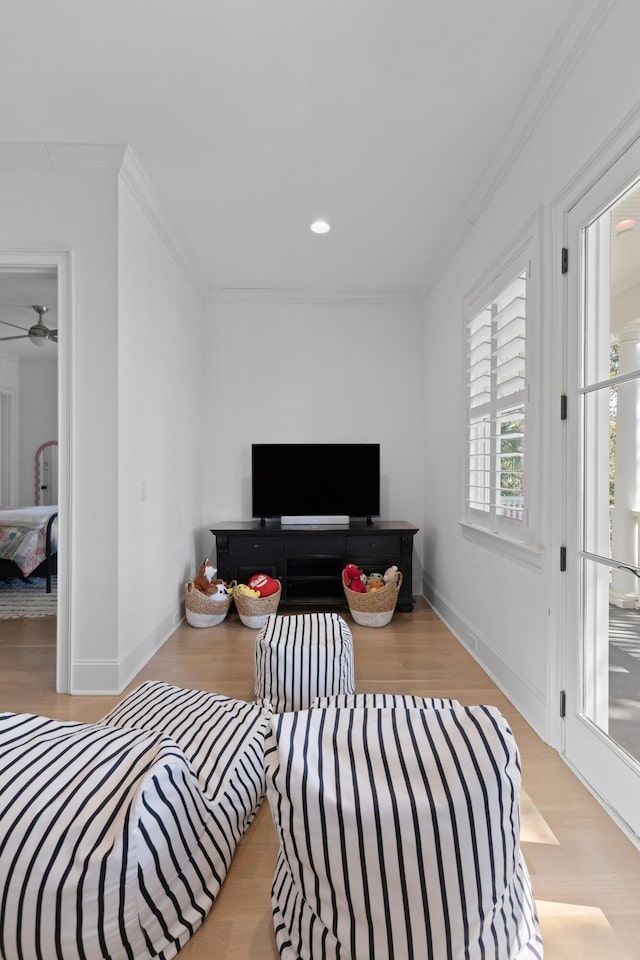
pixel 617 819
pixel 601 181
pixel 271 295
pixel 9 444
pixel 110 677
pixel 60 156
pixel 508 258
pixel 530 556
pixel 583 23
pixel 524 251
pixel 62 260
pixel 136 180
pixel 619 141
pixel 528 700
pixel 117 157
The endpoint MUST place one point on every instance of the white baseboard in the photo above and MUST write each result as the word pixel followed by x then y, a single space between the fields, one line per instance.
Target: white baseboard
pixel 110 677
pixel 528 700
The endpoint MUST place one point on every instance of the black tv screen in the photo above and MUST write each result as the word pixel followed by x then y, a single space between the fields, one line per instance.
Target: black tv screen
pixel 315 479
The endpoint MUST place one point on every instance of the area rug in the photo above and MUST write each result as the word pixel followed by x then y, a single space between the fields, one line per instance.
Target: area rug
pixel 20 598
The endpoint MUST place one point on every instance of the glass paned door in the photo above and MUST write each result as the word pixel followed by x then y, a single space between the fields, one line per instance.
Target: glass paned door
pixel 602 727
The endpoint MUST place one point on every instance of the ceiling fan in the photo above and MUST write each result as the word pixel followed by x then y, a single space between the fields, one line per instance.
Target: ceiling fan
pixel 38 333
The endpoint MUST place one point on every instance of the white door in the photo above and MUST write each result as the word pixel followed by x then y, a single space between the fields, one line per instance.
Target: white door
pixel 602 724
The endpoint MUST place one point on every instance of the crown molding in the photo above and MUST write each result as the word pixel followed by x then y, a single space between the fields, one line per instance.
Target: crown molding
pixel 277 295
pixel 583 22
pixel 54 157
pixel 133 175
pixel 116 157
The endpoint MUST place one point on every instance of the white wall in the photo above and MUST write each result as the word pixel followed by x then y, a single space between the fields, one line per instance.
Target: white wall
pixel 38 418
pixel 134 398
pixel 66 199
pixel 161 441
pixel 505 603
pixel 295 371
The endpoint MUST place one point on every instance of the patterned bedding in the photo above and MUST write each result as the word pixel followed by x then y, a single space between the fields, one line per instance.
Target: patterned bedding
pixel 23 536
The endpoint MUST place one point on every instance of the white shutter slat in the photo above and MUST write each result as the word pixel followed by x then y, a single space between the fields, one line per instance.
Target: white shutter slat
pixel 496 383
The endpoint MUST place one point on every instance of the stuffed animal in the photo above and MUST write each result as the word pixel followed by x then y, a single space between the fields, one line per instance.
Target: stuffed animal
pixel 375 581
pixel 391 574
pixel 354 578
pixel 205 577
pixel 221 591
pixel 264 584
pixel 242 590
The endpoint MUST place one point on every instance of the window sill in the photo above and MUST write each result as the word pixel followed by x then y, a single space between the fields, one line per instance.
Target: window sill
pixel 523 552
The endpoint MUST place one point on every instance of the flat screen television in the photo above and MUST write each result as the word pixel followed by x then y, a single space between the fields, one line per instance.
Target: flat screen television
pixel 315 482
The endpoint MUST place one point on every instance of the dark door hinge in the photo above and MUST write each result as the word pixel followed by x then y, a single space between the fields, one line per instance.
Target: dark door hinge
pixel 563 703
pixel 564 262
pixel 563 559
pixel 563 406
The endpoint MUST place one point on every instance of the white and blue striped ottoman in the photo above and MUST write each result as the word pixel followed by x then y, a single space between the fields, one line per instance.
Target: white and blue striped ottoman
pixel 116 837
pixel 299 658
pixel 399 835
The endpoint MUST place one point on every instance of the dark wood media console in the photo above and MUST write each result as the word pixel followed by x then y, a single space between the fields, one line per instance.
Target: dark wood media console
pixel 308 560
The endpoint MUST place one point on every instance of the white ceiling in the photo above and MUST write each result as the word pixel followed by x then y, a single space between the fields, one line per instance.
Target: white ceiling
pixel 251 118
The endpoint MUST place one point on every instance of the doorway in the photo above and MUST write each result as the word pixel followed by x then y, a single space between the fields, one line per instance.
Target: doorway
pixel 42 279
pixel 602 628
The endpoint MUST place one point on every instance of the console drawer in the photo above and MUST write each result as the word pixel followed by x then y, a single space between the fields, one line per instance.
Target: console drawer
pixel 312 544
pixel 249 548
pixel 373 546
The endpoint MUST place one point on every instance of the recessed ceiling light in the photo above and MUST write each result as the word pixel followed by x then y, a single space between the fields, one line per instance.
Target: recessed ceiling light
pixel 320 226
pixel 625 225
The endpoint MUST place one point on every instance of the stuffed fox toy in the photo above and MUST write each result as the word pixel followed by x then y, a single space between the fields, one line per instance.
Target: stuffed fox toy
pixel 205 581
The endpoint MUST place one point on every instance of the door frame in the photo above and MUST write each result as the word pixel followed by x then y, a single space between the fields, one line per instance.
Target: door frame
pixel 62 259
pixel 625 140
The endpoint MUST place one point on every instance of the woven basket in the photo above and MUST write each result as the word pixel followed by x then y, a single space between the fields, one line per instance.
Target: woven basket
pixel 253 611
pixel 373 609
pixel 202 611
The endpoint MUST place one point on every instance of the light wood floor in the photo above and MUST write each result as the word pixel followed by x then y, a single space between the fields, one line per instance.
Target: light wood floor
pixel 586 874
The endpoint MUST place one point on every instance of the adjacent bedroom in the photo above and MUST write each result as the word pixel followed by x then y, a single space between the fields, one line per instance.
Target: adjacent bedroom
pixel 28 446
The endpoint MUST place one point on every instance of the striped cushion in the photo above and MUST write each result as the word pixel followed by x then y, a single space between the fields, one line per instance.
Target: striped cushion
pixel 302 657
pixel 378 701
pixel 109 846
pixel 399 836
pixel 222 738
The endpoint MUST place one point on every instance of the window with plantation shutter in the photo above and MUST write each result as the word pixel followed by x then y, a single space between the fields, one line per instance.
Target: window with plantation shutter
pixel 497 403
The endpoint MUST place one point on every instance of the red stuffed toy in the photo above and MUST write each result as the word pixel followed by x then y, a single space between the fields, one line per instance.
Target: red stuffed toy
pixel 265 585
pixel 354 578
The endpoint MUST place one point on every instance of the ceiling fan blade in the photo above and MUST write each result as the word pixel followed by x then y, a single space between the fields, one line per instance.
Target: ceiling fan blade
pixel 2 339
pixel 16 325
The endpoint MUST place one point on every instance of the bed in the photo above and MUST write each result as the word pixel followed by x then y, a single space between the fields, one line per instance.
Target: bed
pixel 29 542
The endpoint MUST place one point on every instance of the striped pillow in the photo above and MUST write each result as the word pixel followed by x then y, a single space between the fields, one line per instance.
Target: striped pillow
pixel 115 838
pixel 222 738
pixel 399 836
pixel 299 658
